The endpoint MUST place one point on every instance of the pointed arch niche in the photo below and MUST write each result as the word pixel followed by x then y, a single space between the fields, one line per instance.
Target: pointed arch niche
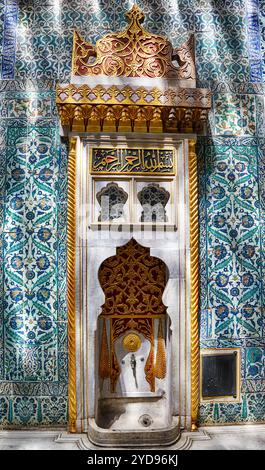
pixel 132 236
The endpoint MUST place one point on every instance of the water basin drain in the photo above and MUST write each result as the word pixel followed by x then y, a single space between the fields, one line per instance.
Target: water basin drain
pixel 145 420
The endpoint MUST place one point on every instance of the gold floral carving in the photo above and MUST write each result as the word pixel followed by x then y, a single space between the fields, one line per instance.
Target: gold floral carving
pixel 133 281
pixel 133 52
pixel 194 279
pixel 71 229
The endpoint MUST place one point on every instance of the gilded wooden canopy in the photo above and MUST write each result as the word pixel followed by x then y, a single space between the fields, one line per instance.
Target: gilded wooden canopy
pixel 133 80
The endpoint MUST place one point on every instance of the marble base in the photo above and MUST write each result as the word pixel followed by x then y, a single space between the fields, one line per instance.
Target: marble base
pixel 133 439
pixel 245 437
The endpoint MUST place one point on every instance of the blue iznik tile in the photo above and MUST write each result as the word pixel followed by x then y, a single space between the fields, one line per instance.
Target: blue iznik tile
pixel 255 361
pixel 256 406
pixel 54 410
pixel 4 404
pixel 254 46
pixel 9 39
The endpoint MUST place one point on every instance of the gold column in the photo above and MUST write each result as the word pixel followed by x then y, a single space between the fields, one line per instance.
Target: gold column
pixel 194 282
pixel 71 231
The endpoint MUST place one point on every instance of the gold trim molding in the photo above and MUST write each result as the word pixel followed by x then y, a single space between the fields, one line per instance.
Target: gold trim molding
pixel 194 280
pixel 125 108
pixel 131 95
pixel 71 238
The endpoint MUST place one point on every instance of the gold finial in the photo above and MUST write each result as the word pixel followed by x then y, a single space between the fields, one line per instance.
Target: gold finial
pixel 135 14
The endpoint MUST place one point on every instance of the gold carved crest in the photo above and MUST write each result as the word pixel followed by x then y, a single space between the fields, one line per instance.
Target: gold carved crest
pixel 133 52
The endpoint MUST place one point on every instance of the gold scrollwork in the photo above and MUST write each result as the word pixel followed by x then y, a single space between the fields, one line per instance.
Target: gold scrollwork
pixel 133 281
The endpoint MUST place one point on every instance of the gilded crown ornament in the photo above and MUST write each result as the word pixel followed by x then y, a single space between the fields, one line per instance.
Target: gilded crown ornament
pixel 133 52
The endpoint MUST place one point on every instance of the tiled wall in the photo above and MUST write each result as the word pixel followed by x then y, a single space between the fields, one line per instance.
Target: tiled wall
pixel 36 44
pixel 33 361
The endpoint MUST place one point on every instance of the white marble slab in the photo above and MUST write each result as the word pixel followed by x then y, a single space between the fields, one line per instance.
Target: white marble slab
pixel 245 437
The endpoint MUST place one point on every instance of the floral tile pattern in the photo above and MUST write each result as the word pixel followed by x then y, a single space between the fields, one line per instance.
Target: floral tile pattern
pixel 36 46
pixel 235 114
pixel 33 328
pixel 231 210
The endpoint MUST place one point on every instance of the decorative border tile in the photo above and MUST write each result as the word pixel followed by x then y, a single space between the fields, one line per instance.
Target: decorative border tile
pixel 252 18
pixel 235 114
pixel 9 40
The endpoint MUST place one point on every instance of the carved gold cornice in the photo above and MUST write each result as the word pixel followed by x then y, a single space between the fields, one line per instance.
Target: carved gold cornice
pixel 133 52
pixel 194 282
pixel 114 108
pixel 132 96
pixel 71 229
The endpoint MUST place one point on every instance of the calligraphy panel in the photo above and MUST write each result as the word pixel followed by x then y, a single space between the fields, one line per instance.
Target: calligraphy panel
pixel 132 161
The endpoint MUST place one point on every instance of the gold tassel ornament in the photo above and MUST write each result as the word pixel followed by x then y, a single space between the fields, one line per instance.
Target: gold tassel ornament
pixel 160 365
pixel 104 359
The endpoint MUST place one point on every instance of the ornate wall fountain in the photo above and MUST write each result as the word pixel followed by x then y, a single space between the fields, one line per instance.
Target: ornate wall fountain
pixel 132 111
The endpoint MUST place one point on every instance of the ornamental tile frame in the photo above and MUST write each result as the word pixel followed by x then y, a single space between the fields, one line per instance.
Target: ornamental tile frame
pixel 9 39
pixel 254 47
pixel 235 114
